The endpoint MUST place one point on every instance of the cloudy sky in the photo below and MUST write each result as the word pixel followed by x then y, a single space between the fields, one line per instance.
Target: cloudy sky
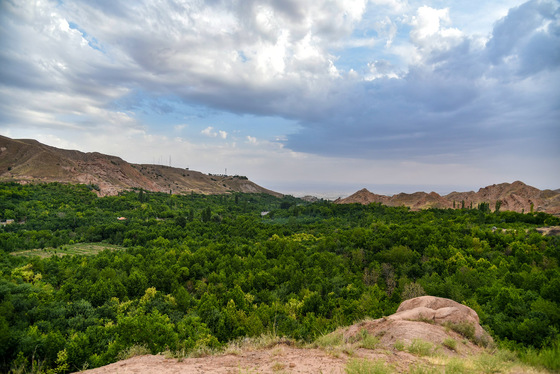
pixel 302 96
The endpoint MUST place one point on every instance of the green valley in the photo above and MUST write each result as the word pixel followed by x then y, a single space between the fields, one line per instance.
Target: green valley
pixel 182 273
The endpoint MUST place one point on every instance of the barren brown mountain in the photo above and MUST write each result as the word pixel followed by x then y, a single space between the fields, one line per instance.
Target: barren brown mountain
pixel 28 161
pixel 516 196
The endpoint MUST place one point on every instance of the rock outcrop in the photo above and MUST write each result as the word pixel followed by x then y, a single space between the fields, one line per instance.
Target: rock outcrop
pixel 428 318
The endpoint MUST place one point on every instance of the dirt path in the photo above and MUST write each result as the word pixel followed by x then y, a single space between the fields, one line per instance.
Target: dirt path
pixel 280 359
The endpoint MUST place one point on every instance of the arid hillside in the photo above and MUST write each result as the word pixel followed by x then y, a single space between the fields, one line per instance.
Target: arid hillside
pixel 426 335
pixel 516 196
pixel 28 161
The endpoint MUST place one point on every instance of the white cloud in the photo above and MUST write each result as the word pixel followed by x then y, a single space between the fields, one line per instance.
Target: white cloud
pixel 209 131
pixel 429 33
pixel 379 80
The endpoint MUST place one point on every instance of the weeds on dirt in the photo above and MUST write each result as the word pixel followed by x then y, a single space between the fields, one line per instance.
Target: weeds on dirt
pixel 421 348
pixel 264 341
pixel 334 339
pixel 363 366
pixel 455 366
pixel 450 344
pixel 335 343
pixel 133 351
pixel 399 345
pixel 424 370
pixel 490 363
pixel 366 340
pixel 277 366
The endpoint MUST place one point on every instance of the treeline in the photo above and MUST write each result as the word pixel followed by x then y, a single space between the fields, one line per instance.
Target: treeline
pixel 198 271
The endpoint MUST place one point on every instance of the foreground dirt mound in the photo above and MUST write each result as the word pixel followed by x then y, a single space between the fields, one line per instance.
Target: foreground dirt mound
pixel 429 320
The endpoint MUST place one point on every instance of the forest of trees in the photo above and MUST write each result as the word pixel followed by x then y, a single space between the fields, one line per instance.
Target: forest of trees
pixel 199 271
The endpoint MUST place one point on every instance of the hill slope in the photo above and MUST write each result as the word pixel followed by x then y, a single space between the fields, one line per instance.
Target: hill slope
pixel 422 334
pixel 516 196
pixel 28 161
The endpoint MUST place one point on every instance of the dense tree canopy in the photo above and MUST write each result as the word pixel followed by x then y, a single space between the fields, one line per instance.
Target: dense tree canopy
pixel 198 271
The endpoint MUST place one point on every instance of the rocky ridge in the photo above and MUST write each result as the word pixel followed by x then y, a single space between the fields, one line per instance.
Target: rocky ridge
pixel 516 196
pixel 29 161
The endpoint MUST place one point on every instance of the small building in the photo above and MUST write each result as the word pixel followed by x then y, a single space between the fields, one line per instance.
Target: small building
pixel 121 218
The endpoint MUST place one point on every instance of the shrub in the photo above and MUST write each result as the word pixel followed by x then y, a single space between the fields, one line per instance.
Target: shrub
pixel 464 328
pixel 450 344
pixel 399 345
pixel 365 339
pixel 420 347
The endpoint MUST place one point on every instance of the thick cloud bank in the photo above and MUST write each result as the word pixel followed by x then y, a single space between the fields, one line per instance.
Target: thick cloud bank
pixel 374 80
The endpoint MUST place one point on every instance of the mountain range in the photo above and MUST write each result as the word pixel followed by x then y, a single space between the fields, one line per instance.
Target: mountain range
pixel 516 196
pixel 29 161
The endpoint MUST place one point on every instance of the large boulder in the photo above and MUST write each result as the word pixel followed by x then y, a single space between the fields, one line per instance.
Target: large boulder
pixel 440 311
pixel 428 318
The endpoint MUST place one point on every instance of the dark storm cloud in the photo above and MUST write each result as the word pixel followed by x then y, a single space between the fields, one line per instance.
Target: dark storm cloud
pixel 463 99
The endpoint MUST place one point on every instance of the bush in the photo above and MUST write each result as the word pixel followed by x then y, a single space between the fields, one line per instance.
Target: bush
pixel 450 344
pixel 420 347
pixel 365 339
pixel 464 328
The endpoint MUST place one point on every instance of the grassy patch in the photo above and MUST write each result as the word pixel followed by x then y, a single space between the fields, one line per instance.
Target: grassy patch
pixel 464 328
pixel 363 366
pixel 455 366
pixel 84 249
pixel 414 369
pixel 334 339
pixel 365 340
pixel 450 344
pixel 420 347
pixel 133 351
pixel 489 364
pixel 277 366
pixel 548 358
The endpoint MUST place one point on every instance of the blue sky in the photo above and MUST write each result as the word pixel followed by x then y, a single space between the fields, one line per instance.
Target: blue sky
pixel 303 97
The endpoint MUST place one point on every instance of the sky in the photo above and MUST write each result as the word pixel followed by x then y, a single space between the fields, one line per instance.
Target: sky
pixel 301 96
